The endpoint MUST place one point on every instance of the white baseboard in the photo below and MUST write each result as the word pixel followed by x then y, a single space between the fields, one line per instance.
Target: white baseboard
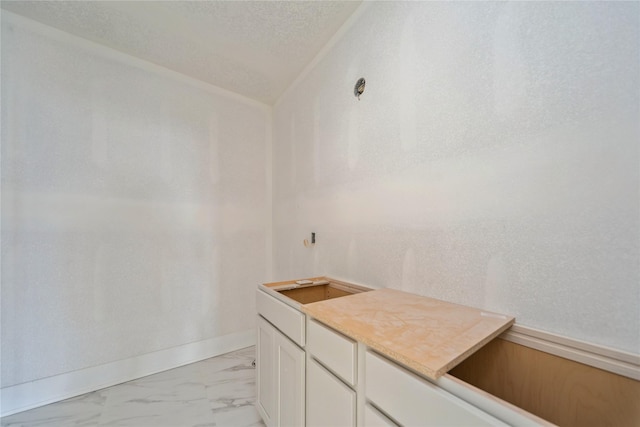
pixel 41 392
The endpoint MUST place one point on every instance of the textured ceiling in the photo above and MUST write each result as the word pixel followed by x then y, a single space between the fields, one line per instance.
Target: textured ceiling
pixel 254 48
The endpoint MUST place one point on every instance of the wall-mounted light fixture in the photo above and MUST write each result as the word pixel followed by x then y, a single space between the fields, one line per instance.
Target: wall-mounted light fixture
pixel 358 89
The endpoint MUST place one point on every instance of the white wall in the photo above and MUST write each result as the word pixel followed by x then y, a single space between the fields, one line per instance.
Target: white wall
pixel 493 160
pixel 135 206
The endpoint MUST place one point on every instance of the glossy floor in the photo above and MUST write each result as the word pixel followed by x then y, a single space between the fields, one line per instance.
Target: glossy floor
pixel 215 392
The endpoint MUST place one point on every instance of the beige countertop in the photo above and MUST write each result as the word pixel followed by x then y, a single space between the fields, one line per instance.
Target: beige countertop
pixel 427 335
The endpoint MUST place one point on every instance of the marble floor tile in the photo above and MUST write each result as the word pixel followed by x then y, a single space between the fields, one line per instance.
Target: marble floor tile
pixel 246 416
pixel 79 411
pixel 215 392
pixel 158 413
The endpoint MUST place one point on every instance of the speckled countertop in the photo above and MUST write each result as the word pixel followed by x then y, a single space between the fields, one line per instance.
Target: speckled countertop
pixel 428 335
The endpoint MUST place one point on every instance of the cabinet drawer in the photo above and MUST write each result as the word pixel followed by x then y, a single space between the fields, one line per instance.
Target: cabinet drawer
pixel 373 418
pixel 334 350
pixel 329 401
pixel 289 320
pixel 412 400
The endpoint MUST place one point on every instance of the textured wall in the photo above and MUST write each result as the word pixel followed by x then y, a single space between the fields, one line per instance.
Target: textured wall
pixel 492 161
pixel 135 214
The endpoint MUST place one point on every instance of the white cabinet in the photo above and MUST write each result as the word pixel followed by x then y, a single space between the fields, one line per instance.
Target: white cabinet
pixel 329 401
pixel 290 382
pixel 310 374
pixel 331 376
pixel 280 380
pixel 265 372
pixel 333 350
pixel 373 418
pixel 287 319
pixel 411 400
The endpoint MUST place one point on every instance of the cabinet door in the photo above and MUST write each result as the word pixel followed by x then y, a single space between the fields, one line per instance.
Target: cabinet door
pixel 290 380
pixel 280 379
pixel 373 418
pixel 265 372
pixel 329 401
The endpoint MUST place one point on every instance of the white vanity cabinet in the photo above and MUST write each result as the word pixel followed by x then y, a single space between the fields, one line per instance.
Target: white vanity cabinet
pixel 333 350
pixel 330 402
pixel 367 360
pixel 395 349
pixel 331 377
pixel 280 367
pixel 373 418
pixel 283 367
pixel 265 371
pixel 290 382
pixel 412 400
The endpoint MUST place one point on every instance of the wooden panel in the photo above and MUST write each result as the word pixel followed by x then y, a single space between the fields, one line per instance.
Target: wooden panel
pixel 333 292
pixel 501 409
pixel 559 390
pixel 290 282
pixel 606 358
pixel 428 335
pixel 308 294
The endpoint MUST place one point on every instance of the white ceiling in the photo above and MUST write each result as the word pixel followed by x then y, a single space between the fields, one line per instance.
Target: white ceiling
pixel 254 48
